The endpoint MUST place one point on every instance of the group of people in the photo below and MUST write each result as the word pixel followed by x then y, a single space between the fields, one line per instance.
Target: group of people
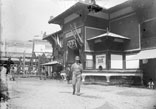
pixel 74 73
pixel 151 84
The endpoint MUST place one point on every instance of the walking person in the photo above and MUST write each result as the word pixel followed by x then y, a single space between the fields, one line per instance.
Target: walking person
pixel 76 70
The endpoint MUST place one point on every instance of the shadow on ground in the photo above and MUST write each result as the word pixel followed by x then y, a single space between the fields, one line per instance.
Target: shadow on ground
pixel 107 105
pixel 83 95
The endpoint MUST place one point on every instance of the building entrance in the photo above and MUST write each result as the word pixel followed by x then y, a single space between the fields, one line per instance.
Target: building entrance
pixel 71 55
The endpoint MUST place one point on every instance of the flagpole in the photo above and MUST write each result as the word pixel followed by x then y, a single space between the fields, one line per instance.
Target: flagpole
pixel 74 35
pixel 24 62
pixel 77 33
pixel 33 54
pixel 80 42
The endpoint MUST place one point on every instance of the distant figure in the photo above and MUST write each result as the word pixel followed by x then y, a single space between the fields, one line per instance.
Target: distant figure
pixel 15 69
pixel 8 65
pixel 12 73
pixel 76 70
pixel 68 73
pixel 151 84
pixel 43 73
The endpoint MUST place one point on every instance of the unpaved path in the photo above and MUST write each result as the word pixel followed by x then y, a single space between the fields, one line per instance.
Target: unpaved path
pixel 52 94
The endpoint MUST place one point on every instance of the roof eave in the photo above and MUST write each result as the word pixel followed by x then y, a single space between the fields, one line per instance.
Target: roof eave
pixel 106 34
pixel 76 7
pixel 56 19
pixel 49 35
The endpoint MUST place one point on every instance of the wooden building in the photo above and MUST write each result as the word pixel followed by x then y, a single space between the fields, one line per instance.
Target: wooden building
pixel 108 38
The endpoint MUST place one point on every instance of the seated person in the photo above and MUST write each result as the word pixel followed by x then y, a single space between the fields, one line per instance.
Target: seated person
pixel 151 84
pixel 100 68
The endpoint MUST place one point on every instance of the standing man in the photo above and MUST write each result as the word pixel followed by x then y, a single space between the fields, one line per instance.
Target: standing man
pixel 76 70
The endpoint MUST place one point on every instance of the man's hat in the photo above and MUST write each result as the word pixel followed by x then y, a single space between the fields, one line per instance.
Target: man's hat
pixel 77 58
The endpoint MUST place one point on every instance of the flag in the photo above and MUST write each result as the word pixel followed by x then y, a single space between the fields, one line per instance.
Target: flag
pixel 77 37
pixel 72 44
pixel 58 41
pixel 55 41
pixel 58 45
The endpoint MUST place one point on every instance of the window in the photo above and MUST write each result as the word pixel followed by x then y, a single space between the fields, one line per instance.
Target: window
pixel 101 61
pixel 131 64
pixel 116 61
pixel 89 62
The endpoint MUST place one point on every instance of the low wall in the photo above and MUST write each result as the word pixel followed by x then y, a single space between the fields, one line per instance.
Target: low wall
pixel 131 77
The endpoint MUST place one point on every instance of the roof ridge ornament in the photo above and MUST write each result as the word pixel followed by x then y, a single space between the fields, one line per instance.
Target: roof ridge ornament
pixel 93 7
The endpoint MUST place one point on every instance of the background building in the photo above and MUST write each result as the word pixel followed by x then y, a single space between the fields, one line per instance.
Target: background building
pixel 121 39
pixel 27 55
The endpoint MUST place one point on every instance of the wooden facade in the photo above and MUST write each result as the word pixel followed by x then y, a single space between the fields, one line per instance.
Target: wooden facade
pixel 110 51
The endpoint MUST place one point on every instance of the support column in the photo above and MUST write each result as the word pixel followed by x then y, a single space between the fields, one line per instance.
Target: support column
pixel 107 78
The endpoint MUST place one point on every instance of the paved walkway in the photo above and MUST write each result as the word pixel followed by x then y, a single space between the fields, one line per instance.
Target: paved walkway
pixel 52 94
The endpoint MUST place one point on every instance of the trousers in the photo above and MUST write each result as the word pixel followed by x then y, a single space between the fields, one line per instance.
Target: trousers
pixel 76 82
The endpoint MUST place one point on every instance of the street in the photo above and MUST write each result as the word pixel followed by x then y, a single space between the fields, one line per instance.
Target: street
pixel 32 93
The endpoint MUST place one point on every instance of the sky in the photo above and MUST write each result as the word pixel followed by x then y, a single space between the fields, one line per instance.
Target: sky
pixel 23 19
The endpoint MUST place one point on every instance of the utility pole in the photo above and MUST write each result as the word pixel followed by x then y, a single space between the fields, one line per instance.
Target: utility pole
pixel 0 29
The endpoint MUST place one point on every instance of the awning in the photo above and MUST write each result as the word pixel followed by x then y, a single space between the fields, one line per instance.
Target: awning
pixel 144 54
pixel 50 63
pixel 108 34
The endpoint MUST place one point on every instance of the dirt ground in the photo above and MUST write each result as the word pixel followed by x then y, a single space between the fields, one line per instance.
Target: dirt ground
pixel 32 93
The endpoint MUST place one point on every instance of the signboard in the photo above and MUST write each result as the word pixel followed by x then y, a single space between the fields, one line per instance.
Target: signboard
pixel 89 61
pixel 101 61
pixel 70 34
pixel 72 44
